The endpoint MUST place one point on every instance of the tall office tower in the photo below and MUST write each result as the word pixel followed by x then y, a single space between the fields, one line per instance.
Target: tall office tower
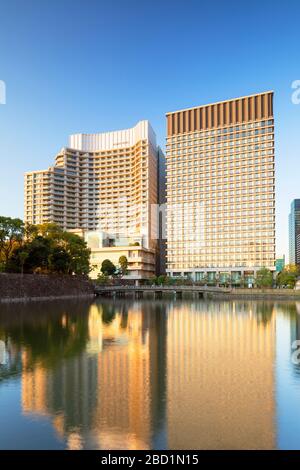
pixel 298 248
pixel 103 186
pixel 221 189
pixel 294 231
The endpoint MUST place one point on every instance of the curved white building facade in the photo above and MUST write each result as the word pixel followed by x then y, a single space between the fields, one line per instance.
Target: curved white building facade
pixel 104 182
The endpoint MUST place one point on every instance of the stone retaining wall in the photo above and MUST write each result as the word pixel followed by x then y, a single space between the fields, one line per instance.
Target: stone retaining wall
pixel 15 287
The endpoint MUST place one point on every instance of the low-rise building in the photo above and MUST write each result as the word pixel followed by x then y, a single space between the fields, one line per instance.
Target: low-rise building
pixel 141 260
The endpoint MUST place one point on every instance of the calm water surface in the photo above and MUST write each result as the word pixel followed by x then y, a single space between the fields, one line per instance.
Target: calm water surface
pixel 149 375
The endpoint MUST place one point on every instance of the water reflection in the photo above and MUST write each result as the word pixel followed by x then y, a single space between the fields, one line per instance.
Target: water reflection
pixel 147 374
pixel 2 353
pixel 98 371
pixel 221 388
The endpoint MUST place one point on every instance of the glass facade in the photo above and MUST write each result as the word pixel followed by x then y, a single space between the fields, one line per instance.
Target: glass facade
pixel 294 230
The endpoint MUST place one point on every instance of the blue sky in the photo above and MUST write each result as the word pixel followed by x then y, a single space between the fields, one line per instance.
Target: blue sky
pixel 93 65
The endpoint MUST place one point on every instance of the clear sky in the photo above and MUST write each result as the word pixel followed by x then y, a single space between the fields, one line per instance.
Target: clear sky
pixel 94 66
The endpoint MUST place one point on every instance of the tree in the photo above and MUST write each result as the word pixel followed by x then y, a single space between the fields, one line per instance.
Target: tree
pixel 102 279
pixel 292 269
pixel 108 267
pixel 123 262
pixel 39 251
pixel 50 230
pixel 45 247
pixel 59 260
pixel 161 280
pixel 151 281
pixel 288 276
pixel 30 256
pixel 11 234
pixel 78 251
pixel 286 279
pixel 264 278
pixel 30 232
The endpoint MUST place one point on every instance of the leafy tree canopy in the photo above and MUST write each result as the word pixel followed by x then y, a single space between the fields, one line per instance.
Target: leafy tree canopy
pixel 288 276
pixel 264 278
pixel 123 262
pixel 108 267
pixel 41 248
pixel 11 233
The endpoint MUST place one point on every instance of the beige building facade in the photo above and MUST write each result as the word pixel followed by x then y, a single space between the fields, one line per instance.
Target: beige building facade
pixel 104 183
pixel 221 189
pixel 141 261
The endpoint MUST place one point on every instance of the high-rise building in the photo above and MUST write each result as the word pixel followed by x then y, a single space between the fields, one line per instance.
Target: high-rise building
pixel 294 230
pixel 105 183
pixel 280 264
pixel 221 189
pixel 298 249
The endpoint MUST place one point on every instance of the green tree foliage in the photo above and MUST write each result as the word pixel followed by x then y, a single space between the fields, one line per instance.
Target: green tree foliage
pixel 59 260
pixel 289 276
pixel 161 280
pixel 41 248
pixel 38 251
pixel 293 269
pixel 264 278
pixel 102 279
pixel 11 235
pixel 78 252
pixel 50 230
pixel 123 262
pixel 108 268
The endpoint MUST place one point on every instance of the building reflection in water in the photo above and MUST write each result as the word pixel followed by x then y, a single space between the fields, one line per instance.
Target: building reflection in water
pixel 294 312
pixel 287 375
pixel 220 376
pixel 106 396
pixel 2 353
pixel 144 374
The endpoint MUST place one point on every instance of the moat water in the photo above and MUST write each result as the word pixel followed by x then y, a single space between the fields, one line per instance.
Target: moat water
pixel 150 374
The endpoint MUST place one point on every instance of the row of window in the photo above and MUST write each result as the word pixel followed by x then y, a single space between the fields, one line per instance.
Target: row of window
pixel 222 130
pixel 225 137
pixel 213 144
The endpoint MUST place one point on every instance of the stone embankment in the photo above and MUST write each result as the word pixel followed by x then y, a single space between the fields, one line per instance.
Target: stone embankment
pixel 15 287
